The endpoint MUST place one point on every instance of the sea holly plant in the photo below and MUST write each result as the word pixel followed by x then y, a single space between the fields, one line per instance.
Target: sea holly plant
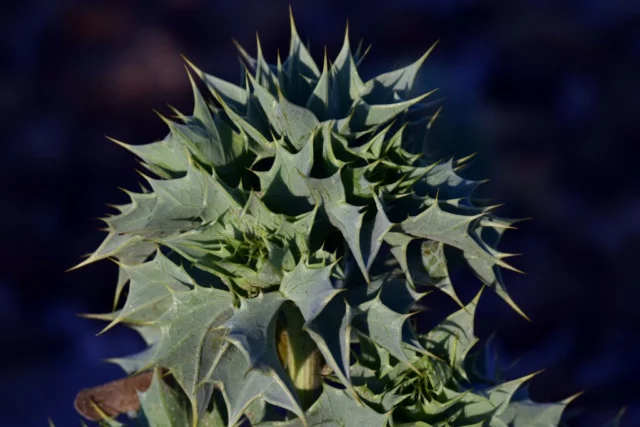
pixel 288 229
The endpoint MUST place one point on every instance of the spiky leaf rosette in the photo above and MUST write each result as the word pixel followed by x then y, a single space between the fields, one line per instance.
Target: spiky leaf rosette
pixel 445 390
pixel 291 217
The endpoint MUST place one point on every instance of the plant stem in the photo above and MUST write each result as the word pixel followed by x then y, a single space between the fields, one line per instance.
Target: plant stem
pixel 300 356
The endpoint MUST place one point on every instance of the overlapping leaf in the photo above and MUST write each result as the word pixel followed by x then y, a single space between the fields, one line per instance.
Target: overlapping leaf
pixel 191 337
pixel 241 385
pixel 364 239
pixel 162 406
pixel 336 408
pixel 452 339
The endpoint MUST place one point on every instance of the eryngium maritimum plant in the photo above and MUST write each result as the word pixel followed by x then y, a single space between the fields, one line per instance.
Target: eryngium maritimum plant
pixel 273 262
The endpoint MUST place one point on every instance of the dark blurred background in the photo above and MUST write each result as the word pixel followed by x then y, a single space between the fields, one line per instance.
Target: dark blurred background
pixel 546 91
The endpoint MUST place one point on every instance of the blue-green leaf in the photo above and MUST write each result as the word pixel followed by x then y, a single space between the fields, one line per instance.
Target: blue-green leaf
pixel 241 385
pixel 170 154
pixel 264 73
pixel 400 81
pixel 372 234
pixel 137 362
pixel 526 413
pixel 151 287
pixel 452 229
pixel 488 272
pixel 252 329
pixel 297 122
pixel 336 408
pixel 429 267
pixel 300 67
pixel 366 115
pixel 346 84
pixel 318 102
pixel 449 185
pixel 191 338
pixel 383 326
pixel 283 185
pixel 233 96
pixel 310 288
pixel 162 406
pixel 501 394
pixel 331 331
pixel 452 339
pixel 345 217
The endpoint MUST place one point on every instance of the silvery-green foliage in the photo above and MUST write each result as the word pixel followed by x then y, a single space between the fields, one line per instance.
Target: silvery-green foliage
pixel 305 187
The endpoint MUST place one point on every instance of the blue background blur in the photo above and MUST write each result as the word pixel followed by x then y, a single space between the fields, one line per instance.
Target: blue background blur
pixel 547 91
